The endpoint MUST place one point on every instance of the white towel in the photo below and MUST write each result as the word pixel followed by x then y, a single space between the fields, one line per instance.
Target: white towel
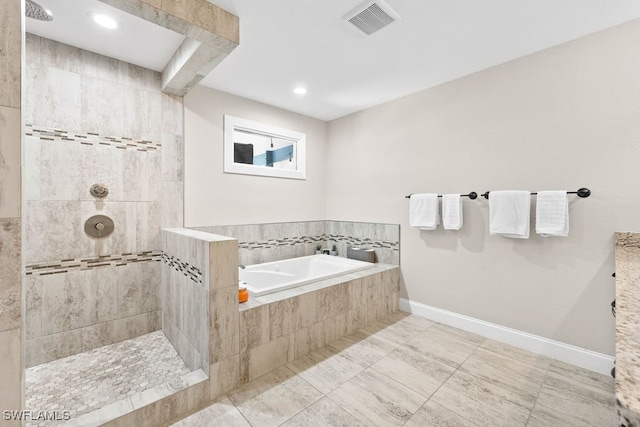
pixel 423 211
pixel 509 213
pixel 451 211
pixel 552 213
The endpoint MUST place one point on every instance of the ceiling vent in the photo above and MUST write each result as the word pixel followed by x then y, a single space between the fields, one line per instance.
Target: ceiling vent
pixel 370 16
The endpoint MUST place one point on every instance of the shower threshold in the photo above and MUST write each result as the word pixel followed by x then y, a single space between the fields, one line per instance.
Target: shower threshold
pixel 103 384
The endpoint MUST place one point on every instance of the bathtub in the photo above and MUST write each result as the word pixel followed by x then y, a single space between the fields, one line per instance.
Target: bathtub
pixel 263 279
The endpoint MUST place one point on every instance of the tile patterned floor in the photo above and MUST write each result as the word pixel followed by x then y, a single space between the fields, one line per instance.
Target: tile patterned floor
pixel 409 371
pixel 87 381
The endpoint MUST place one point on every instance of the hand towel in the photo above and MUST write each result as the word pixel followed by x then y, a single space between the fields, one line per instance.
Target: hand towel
pixel 451 211
pixel 552 213
pixel 423 211
pixel 509 213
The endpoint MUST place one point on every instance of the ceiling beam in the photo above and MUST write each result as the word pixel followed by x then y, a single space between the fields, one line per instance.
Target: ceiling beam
pixel 211 33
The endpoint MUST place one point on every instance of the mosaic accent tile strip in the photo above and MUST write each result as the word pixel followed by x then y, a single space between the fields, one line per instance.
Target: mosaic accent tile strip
pixel 287 241
pixel 87 263
pixel 365 242
pixel 88 381
pixel 121 142
pixel 183 267
pixel 291 241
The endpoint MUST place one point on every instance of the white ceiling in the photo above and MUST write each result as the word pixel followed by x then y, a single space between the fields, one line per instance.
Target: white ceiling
pixel 285 43
pixel 135 41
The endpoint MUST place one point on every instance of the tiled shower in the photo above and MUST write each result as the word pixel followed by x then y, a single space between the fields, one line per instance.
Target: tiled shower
pixel 94 120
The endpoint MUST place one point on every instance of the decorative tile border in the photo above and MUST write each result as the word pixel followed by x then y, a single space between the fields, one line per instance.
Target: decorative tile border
pixel 183 267
pixel 287 241
pixel 190 271
pixel 291 241
pixel 365 242
pixel 88 263
pixel 124 143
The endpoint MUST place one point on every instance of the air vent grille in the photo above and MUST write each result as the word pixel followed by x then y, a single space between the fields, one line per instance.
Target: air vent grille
pixel 370 17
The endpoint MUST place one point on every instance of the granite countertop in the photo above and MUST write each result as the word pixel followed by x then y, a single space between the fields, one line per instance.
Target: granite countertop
pixel 628 328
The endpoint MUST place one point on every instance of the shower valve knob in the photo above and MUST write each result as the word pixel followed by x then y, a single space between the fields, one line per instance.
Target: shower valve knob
pixel 99 226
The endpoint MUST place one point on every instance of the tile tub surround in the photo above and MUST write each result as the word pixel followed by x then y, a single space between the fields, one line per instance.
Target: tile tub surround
pixel 276 328
pixel 384 238
pixel 628 328
pixel 259 243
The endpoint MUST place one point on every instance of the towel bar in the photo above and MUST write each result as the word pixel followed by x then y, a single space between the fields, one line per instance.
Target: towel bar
pixel 583 192
pixel 471 195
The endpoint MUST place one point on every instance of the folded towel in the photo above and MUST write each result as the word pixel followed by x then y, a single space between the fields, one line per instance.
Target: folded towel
pixel 509 213
pixel 451 211
pixel 552 213
pixel 423 211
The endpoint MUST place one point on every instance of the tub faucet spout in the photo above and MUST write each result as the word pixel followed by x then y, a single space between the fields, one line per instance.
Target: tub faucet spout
pixel 241 267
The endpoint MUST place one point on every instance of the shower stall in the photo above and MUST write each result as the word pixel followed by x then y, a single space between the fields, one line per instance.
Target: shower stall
pixel 102 164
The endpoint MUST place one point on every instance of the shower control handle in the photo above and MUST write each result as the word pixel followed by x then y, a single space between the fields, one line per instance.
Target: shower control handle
pixel 99 226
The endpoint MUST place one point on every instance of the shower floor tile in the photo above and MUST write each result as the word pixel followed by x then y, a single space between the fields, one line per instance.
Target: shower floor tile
pixel 88 381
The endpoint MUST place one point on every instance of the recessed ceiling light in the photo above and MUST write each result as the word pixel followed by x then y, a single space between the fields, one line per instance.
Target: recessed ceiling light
pixel 105 21
pixel 300 90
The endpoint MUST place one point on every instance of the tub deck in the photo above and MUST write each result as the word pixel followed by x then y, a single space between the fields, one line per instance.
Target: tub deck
pixel 276 276
pixel 316 286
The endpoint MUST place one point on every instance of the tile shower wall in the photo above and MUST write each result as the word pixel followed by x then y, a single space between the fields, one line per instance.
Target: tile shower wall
pixel 184 296
pixel 11 38
pixel 92 119
pixel 258 243
pixel 199 300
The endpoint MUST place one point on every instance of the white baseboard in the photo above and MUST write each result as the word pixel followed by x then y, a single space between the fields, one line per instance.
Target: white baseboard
pixel 568 353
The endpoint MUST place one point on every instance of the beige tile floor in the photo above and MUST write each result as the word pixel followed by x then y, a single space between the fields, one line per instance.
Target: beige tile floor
pixel 409 371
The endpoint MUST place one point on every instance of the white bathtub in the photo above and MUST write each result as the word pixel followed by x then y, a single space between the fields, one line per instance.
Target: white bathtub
pixel 263 279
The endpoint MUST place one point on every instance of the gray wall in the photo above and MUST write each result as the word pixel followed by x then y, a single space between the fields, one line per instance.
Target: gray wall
pixel 92 119
pixel 562 118
pixel 215 197
pixel 11 38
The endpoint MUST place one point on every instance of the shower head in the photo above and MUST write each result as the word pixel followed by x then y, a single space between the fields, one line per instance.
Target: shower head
pixel 35 11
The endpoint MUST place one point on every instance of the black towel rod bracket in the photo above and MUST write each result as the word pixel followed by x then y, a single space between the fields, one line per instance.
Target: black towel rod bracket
pixel 472 195
pixel 583 192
